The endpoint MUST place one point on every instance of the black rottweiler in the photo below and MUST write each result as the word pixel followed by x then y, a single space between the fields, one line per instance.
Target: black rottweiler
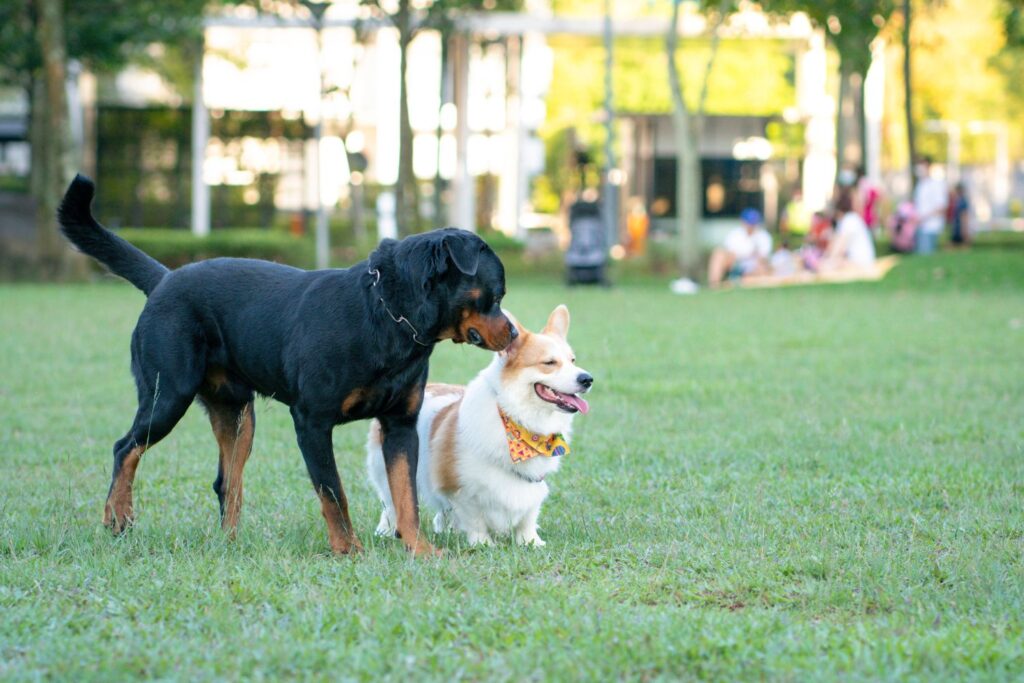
pixel 333 345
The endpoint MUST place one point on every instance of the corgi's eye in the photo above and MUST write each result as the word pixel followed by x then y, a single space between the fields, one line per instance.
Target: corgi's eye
pixel 573 361
pixel 551 361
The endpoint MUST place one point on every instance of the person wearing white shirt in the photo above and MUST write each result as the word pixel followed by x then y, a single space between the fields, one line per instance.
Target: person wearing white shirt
pixel 745 251
pixel 930 200
pixel 852 246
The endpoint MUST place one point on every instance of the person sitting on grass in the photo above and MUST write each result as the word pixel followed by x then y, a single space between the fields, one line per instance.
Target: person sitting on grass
pixel 852 246
pixel 745 251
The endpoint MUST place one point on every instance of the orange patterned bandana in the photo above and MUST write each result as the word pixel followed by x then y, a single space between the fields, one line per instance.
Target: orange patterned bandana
pixel 524 444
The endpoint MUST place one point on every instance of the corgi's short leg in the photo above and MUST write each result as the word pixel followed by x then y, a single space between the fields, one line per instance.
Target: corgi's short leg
pixel 386 526
pixel 442 521
pixel 475 526
pixel 478 537
pixel 379 479
pixel 526 530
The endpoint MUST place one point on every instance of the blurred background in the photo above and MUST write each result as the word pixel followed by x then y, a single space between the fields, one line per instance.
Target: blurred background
pixel 304 132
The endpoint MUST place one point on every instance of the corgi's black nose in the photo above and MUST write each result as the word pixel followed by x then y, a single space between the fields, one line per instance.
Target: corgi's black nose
pixel 585 380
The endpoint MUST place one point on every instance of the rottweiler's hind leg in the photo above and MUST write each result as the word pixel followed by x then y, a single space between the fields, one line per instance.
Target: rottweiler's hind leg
pixel 234 427
pixel 155 418
pixel 168 366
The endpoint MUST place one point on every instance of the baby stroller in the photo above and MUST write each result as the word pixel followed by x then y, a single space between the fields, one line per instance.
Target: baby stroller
pixel 902 227
pixel 587 256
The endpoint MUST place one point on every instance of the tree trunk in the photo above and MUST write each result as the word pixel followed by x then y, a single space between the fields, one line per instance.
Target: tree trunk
pixel 406 200
pixel 687 128
pixel 841 98
pixel 54 170
pixel 908 93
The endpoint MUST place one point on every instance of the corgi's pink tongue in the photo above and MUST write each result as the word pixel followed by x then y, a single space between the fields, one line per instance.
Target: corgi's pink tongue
pixel 577 402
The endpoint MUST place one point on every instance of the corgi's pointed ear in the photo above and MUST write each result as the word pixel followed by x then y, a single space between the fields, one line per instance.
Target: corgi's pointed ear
pixel 558 322
pixel 516 343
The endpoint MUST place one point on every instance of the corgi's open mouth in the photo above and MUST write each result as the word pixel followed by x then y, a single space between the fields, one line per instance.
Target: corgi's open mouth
pixel 570 403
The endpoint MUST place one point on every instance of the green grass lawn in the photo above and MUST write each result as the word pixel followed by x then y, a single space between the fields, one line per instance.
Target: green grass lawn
pixel 806 484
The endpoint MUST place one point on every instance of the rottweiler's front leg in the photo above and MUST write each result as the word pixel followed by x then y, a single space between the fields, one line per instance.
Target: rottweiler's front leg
pixel 314 436
pixel 401 453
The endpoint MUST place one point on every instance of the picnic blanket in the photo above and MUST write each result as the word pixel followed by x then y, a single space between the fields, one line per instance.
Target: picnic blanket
pixel 852 274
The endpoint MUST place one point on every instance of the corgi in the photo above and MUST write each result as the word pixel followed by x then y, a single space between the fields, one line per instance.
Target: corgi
pixel 486 449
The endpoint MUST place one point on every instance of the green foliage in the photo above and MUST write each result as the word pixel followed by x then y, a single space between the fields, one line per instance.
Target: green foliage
pixel 640 85
pixel 175 248
pixel 103 34
pixel 851 25
pixel 813 484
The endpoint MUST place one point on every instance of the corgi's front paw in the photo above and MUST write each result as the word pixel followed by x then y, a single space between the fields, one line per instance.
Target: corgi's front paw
pixel 530 539
pixel 477 538
pixel 386 525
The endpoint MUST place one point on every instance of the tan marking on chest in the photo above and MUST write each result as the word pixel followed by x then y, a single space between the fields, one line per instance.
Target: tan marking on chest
pixel 354 398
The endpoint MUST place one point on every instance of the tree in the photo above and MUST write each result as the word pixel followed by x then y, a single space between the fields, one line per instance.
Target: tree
pixel 850 26
pixel 409 21
pixel 37 38
pixel 908 92
pixel 687 127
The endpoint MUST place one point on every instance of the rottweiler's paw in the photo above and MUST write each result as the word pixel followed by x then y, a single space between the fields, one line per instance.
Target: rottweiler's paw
pixel 118 521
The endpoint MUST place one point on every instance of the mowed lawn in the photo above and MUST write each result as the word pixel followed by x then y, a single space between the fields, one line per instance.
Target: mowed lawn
pixel 807 484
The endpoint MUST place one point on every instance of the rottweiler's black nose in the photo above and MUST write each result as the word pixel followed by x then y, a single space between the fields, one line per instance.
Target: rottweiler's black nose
pixel 513 332
pixel 585 379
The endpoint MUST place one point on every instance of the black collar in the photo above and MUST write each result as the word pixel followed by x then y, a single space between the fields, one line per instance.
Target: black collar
pixel 399 319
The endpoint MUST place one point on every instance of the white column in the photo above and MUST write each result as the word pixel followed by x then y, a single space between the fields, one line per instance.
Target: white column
pixel 464 189
pixel 874 110
pixel 200 136
pixel 818 109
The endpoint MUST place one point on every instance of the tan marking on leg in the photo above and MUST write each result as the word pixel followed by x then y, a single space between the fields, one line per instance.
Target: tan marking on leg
pixel 339 526
pixel 234 432
pixel 214 380
pixel 118 512
pixel 443 448
pixel 403 497
pixel 415 401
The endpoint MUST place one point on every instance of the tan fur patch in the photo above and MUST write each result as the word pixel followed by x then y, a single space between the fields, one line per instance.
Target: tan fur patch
pixel 403 496
pixel 118 512
pixel 443 448
pixel 215 379
pixel 234 433
pixel 531 350
pixel 415 401
pixel 439 389
pixel 352 400
pixel 493 329
pixel 339 527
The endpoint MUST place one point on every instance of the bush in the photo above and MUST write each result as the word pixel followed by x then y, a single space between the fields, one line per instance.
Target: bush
pixel 176 248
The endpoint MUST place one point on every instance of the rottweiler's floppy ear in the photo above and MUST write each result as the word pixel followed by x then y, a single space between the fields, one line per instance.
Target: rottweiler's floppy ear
pixel 558 322
pixel 463 250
